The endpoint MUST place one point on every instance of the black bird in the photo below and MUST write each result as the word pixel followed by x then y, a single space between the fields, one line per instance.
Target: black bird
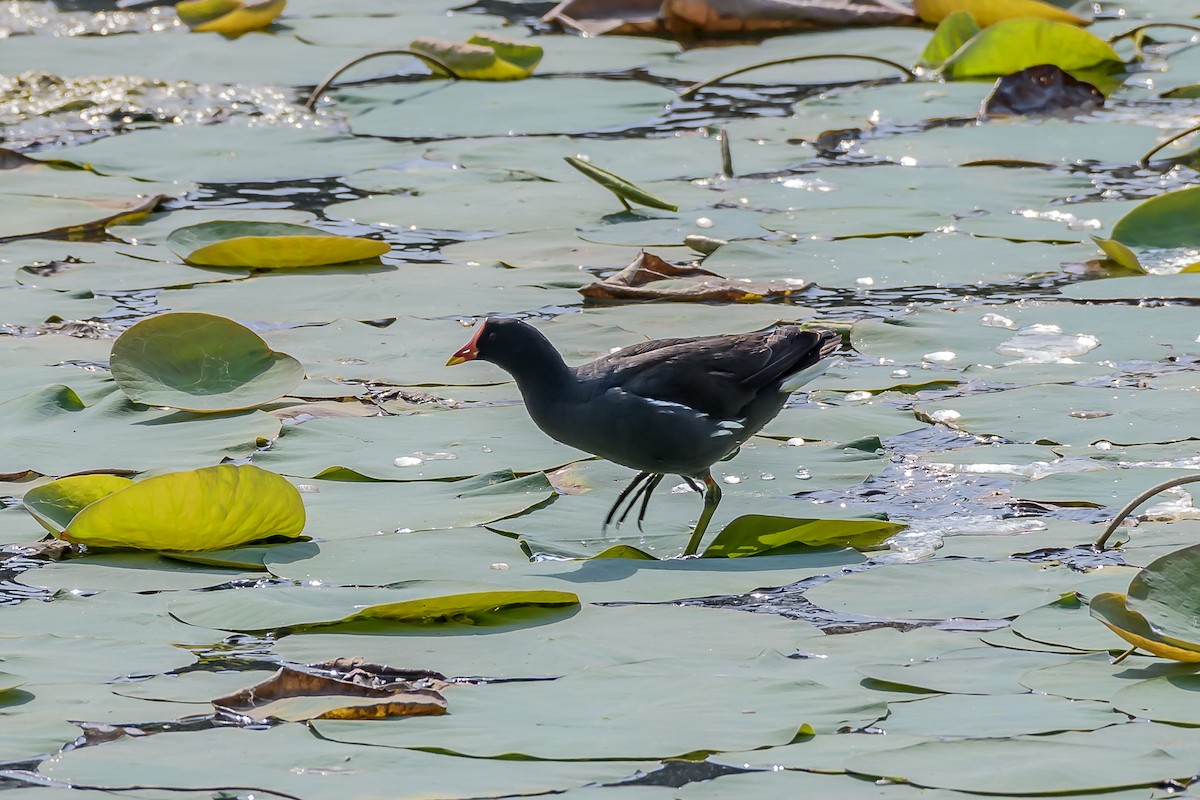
pixel 668 406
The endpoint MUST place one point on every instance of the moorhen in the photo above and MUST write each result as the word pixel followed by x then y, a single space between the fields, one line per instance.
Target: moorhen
pixel 669 406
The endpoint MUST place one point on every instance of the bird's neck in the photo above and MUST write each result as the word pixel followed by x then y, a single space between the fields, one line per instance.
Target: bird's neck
pixel 540 372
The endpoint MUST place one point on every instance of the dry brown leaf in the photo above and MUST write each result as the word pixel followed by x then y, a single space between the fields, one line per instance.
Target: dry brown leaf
pixel 340 689
pixel 682 284
pixel 686 18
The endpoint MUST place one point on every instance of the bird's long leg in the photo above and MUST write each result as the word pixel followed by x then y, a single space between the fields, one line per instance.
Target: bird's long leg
pixel 712 496
pixel 641 476
pixel 649 490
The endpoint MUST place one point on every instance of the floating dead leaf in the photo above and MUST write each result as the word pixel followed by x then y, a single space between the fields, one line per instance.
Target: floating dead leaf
pixel 687 18
pixel 1044 89
pixel 687 284
pixel 345 688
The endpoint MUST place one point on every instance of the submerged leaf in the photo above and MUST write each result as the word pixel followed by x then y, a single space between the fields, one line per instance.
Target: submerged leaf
pixel 229 17
pixel 200 362
pixel 268 245
pixel 1016 44
pixel 483 57
pixel 203 509
pixel 755 534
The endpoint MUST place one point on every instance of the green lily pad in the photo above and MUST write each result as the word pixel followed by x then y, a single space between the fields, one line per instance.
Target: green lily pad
pixel 202 363
pixel 1163 221
pixel 894 591
pixel 1070 415
pixel 754 534
pixel 268 245
pixel 473 108
pixel 1012 45
pixel 975 670
pixel 1095 677
pixel 1047 765
pixel 411 603
pixel 1066 622
pixel 474 554
pixel 53 430
pixel 595 636
pixel 1169 698
pixel 204 509
pixel 284 755
pixel 996 716
pixel 1183 286
pixel 132 572
pixel 668 712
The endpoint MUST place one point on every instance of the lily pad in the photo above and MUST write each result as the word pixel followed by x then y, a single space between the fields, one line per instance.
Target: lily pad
pixel 667 714
pixel 483 57
pixel 1163 221
pixel 53 430
pixel 996 716
pixel 1012 45
pixel 204 509
pixel 754 534
pixel 268 245
pixel 284 755
pixel 202 363
pixel 230 17
pixel 411 603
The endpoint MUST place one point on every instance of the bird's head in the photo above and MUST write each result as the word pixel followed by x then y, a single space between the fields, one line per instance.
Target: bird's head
pixel 494 336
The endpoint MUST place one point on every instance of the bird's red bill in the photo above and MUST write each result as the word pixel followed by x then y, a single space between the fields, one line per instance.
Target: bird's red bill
pixel 469 351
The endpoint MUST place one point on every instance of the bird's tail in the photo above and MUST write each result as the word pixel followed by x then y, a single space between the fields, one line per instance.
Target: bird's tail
pixel 826 345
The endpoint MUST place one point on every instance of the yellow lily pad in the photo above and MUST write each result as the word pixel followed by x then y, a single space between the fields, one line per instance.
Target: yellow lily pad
pixel 228 17
pixel 268 245
pixel 1110 608
pixel 203 509
pixel 989 12
pixel 483 57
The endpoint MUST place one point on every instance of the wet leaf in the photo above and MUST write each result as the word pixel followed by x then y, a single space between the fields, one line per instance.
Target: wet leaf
pixel 333 691
pixel 204 509
pixel 268 245
pixel 483 57
pixel 200 362
pixel 989 12
pixel 1015 44
pixel 229 17
pixel 755 534
pixel 651 278
pixel 626 191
